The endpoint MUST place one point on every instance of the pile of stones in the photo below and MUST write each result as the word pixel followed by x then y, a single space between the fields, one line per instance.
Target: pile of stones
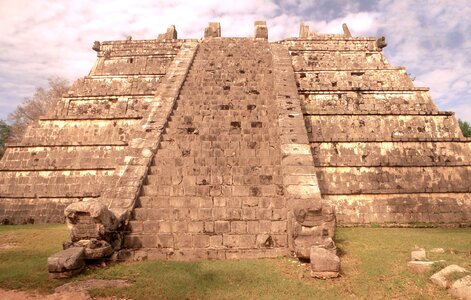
pixel 454 278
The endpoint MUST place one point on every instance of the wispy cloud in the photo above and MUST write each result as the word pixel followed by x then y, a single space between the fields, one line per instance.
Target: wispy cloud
pixel 46 38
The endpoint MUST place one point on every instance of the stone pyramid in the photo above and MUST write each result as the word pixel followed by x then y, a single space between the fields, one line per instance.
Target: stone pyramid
pixel 237 148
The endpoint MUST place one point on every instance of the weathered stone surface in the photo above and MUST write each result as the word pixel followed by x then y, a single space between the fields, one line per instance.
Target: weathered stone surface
pixel 324 263
pixel 237 147
pixel 346 31
pixel 437 250
pixel 418 254
pixel 89 219
pixel 68 262
pixel 261 30
pixel 171 34
pixel 95 249
pixel 440 278
pixel 374 135
pixel 213 30
pixel 461 288
pixel 420 266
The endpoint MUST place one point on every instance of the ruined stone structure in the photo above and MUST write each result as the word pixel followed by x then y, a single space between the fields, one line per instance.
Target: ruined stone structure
pixel 236 147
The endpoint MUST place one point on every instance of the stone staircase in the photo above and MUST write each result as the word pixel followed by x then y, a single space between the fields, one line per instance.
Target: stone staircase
pixel 215 187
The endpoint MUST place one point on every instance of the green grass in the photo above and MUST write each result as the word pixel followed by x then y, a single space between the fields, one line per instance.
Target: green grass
pixel 25 265
pixel 373 267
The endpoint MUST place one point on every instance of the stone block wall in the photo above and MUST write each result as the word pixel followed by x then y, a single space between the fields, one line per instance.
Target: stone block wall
pixel 368 102
pixel 82 147
pixel 383 152
pixel 211 146
pixel 215 188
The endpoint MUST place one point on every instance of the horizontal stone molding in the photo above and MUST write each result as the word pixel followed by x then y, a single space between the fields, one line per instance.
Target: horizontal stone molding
pixel 91 118
pixel 201 253
pixel 70 144
pixel 34 210
pixel 391 153
pixel 383 128
pixel 380 113
pixel 331 44
pixel 398 209
pixel 355 80
pixel 328 60
pixel 390 180
pixel 323 90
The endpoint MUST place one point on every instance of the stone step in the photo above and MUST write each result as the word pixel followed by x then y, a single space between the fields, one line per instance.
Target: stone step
pixel 226 179
pixel 246 190
pixel 196 241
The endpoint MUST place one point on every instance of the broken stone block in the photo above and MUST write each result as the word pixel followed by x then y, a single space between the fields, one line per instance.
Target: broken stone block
pixel 461 288
pixel 89 219
pixel 313 224
pixel 95 249
pixel 418 254
pixel 346 31
pixel 324 263
pixel 440 278
pixel 420 266
pixel 66 263
pixel 437 250
pixel 303 244
pixel 170 34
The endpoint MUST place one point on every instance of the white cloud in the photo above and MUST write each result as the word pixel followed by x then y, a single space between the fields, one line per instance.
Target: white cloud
pixel 45 38
pixel 432 40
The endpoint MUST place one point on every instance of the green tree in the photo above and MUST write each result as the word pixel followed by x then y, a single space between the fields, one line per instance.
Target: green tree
pixel 4 133
pixel 32 108
pixel 465 128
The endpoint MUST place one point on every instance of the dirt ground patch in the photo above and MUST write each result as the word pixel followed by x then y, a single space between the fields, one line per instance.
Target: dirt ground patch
pixel 7 246
pixel 70 291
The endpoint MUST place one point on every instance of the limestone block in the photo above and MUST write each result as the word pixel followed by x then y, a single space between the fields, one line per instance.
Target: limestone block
pixel 303 191
pixel 171 34
pixel 264 241
pixel 380 128
pixel 101 220
pixel 346 31
pixel 324 263
pixel 420 266
pixel 461 288
pixel 303 30
pixel 418 254
pixel 312 237
pixel 95 249
pixel 313 213
pixel 213 30
pixel 261 30
pixel 66 263
pixel 440 278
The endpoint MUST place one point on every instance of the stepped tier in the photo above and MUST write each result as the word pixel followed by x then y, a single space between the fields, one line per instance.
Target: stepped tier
pixel 237 147
pixel 382 150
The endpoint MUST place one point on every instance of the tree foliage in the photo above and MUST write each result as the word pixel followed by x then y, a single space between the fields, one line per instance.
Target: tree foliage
pixel 4 132
pixel 32 108
pixel 465 128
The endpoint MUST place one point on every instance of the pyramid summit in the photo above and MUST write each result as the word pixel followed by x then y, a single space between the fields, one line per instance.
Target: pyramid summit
pixel 236 148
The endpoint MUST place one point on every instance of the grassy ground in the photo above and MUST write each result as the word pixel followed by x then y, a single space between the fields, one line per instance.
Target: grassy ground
pixel 373 266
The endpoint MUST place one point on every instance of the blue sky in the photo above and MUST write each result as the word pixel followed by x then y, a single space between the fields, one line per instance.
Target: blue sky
pixel 44 38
